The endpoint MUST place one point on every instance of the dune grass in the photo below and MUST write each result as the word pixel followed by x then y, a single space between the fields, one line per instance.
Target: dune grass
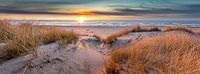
pixel 24 40
pixel 144 29
pixel 173 53
pixel 112 38
pixel 6 32
pixel 54 34
pixel 27 37
pixel 178 27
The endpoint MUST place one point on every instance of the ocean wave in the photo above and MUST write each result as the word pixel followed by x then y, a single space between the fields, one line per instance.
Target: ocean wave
pixel 113 23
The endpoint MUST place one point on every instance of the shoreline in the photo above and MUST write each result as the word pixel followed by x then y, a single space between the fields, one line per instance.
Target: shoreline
pixel 112 26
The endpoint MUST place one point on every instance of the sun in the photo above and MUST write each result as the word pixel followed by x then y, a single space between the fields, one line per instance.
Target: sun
pixel 82 19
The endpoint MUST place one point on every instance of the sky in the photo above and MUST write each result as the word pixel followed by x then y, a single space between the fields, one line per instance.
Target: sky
pixel 100 9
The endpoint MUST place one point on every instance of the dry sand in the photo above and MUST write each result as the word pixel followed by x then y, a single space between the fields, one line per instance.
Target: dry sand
pixel 87 56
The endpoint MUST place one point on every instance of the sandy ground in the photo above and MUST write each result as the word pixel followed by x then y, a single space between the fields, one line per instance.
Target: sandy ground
pixel 87 56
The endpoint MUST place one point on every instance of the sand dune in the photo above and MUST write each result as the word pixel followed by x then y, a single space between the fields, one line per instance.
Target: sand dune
pixel 87 56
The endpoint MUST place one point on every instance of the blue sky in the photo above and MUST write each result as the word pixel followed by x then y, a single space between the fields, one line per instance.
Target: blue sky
pixel 104 9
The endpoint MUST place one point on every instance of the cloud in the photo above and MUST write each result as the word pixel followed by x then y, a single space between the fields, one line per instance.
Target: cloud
pixel 52 2
pixel 120 6
pixel 155 8
pixel 42 5
pixel 124 10
pixel 190 10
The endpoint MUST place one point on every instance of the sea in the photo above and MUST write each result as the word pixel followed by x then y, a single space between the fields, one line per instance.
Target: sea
pixel 109 23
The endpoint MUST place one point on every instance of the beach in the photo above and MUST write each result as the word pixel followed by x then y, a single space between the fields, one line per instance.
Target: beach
pixel 87 56
pixel 99 37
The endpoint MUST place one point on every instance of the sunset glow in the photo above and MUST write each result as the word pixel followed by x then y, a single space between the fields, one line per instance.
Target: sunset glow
pixel 82 19
pixel 100 9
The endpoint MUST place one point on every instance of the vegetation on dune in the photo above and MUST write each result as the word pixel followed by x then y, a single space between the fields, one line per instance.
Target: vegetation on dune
pixel 25 38
pixel 54 34
pixel 112 38
pixel 172 53
pixel 6 32
pixel 178 27
pixel 144 29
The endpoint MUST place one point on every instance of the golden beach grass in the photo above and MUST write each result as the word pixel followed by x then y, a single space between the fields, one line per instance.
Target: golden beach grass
pixel 112 38
pixel 27 37
pixel 54 34
pixel 6 32
pixel 176 53
pixel 178 27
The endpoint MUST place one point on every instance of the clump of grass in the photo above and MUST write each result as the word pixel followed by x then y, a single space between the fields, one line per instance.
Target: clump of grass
pixel 171 53
pixel 178 27
pixel 112 38
pixel 27 38
pixel 24 41
pixel 153 28
pixel 53 34
pixel 6 31
pixel 144 29
pixel 112 66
